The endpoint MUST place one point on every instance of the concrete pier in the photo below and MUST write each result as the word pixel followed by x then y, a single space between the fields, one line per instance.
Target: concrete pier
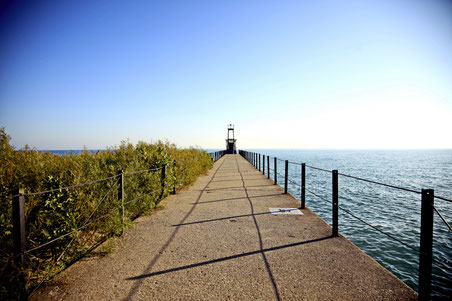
pixel 218 240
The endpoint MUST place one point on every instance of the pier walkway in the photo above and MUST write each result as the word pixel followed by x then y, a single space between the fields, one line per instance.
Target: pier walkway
pixel 218 241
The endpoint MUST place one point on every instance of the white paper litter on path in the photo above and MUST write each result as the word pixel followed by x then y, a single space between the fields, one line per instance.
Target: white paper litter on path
pixel 294 211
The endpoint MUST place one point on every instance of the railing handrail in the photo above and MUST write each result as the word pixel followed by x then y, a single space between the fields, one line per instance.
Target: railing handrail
pixel 363 179
pixel 426 246
pixel 83 184
pixel 18 214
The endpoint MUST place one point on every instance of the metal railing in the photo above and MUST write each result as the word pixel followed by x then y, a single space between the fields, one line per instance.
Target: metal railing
pixel 217 155
pixel 24 247
pixel 262 163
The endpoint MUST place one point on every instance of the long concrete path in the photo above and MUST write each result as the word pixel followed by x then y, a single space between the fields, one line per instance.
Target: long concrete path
pixel 218 241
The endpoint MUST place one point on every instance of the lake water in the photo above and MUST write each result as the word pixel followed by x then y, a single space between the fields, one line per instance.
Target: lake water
pixel 393 211
pixel 63 152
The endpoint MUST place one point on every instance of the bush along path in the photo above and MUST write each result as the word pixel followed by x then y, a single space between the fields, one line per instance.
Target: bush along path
pixel 73 203
pixel 218 240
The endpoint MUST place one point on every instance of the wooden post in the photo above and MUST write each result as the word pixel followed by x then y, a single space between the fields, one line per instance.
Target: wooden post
pixel 303 185
pixel 162 179
pixel 19 238
pixel 19 225
pixel 286 176
pixel 276 173
pixel 175 179
pixel 121 197
pixel 335 204
pixel 426 245
pixel 263 164
pixel 259 162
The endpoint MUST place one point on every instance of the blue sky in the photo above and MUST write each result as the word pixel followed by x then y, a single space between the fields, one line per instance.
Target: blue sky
pixel 288 74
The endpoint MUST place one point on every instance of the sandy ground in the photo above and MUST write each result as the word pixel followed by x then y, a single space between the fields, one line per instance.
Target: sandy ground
pixel 218 241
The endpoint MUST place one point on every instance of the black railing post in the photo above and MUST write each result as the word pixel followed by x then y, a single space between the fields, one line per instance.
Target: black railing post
pixel 259 162
pixel 19 238
pixel 174 175
pixel 303 185
pixel 426 245
pixel 121 196
pixel 263 164
pixel 335 204
pixel 276 173
pixel 268 167
pixel 286 176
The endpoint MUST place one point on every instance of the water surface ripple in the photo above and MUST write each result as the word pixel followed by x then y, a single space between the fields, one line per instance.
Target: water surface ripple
pixel 393 211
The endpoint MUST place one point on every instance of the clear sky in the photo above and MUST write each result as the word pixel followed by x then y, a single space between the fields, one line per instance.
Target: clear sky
pixel 288 74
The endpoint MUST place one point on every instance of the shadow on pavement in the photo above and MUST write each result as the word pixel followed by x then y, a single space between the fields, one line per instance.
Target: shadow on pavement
pixel 189 266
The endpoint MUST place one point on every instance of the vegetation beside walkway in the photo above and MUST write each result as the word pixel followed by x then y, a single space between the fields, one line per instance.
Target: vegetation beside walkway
pixel 95 207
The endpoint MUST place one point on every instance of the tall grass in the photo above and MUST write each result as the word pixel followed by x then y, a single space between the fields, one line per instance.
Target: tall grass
pixel 63 211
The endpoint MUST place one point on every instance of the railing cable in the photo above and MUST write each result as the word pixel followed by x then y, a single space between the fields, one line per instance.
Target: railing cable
pixel 82 184
pixel 141 171
pixel 441 198
pixel 67 187
pixel 375 228
pixel 51 268
pixel 442 217
pixel 321 169
pixel 378 183
pixel 370 181
pixel 78 229
pixel 293 182
pixel 320 197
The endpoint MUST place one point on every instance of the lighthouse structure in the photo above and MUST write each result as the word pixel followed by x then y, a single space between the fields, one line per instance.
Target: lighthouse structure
pixel 230 142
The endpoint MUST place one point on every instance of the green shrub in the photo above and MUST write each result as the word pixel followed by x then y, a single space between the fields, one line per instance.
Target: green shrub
pixel 91 213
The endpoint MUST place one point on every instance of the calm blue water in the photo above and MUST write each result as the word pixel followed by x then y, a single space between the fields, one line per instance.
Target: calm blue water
pixel 393 211
pixel 63 152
